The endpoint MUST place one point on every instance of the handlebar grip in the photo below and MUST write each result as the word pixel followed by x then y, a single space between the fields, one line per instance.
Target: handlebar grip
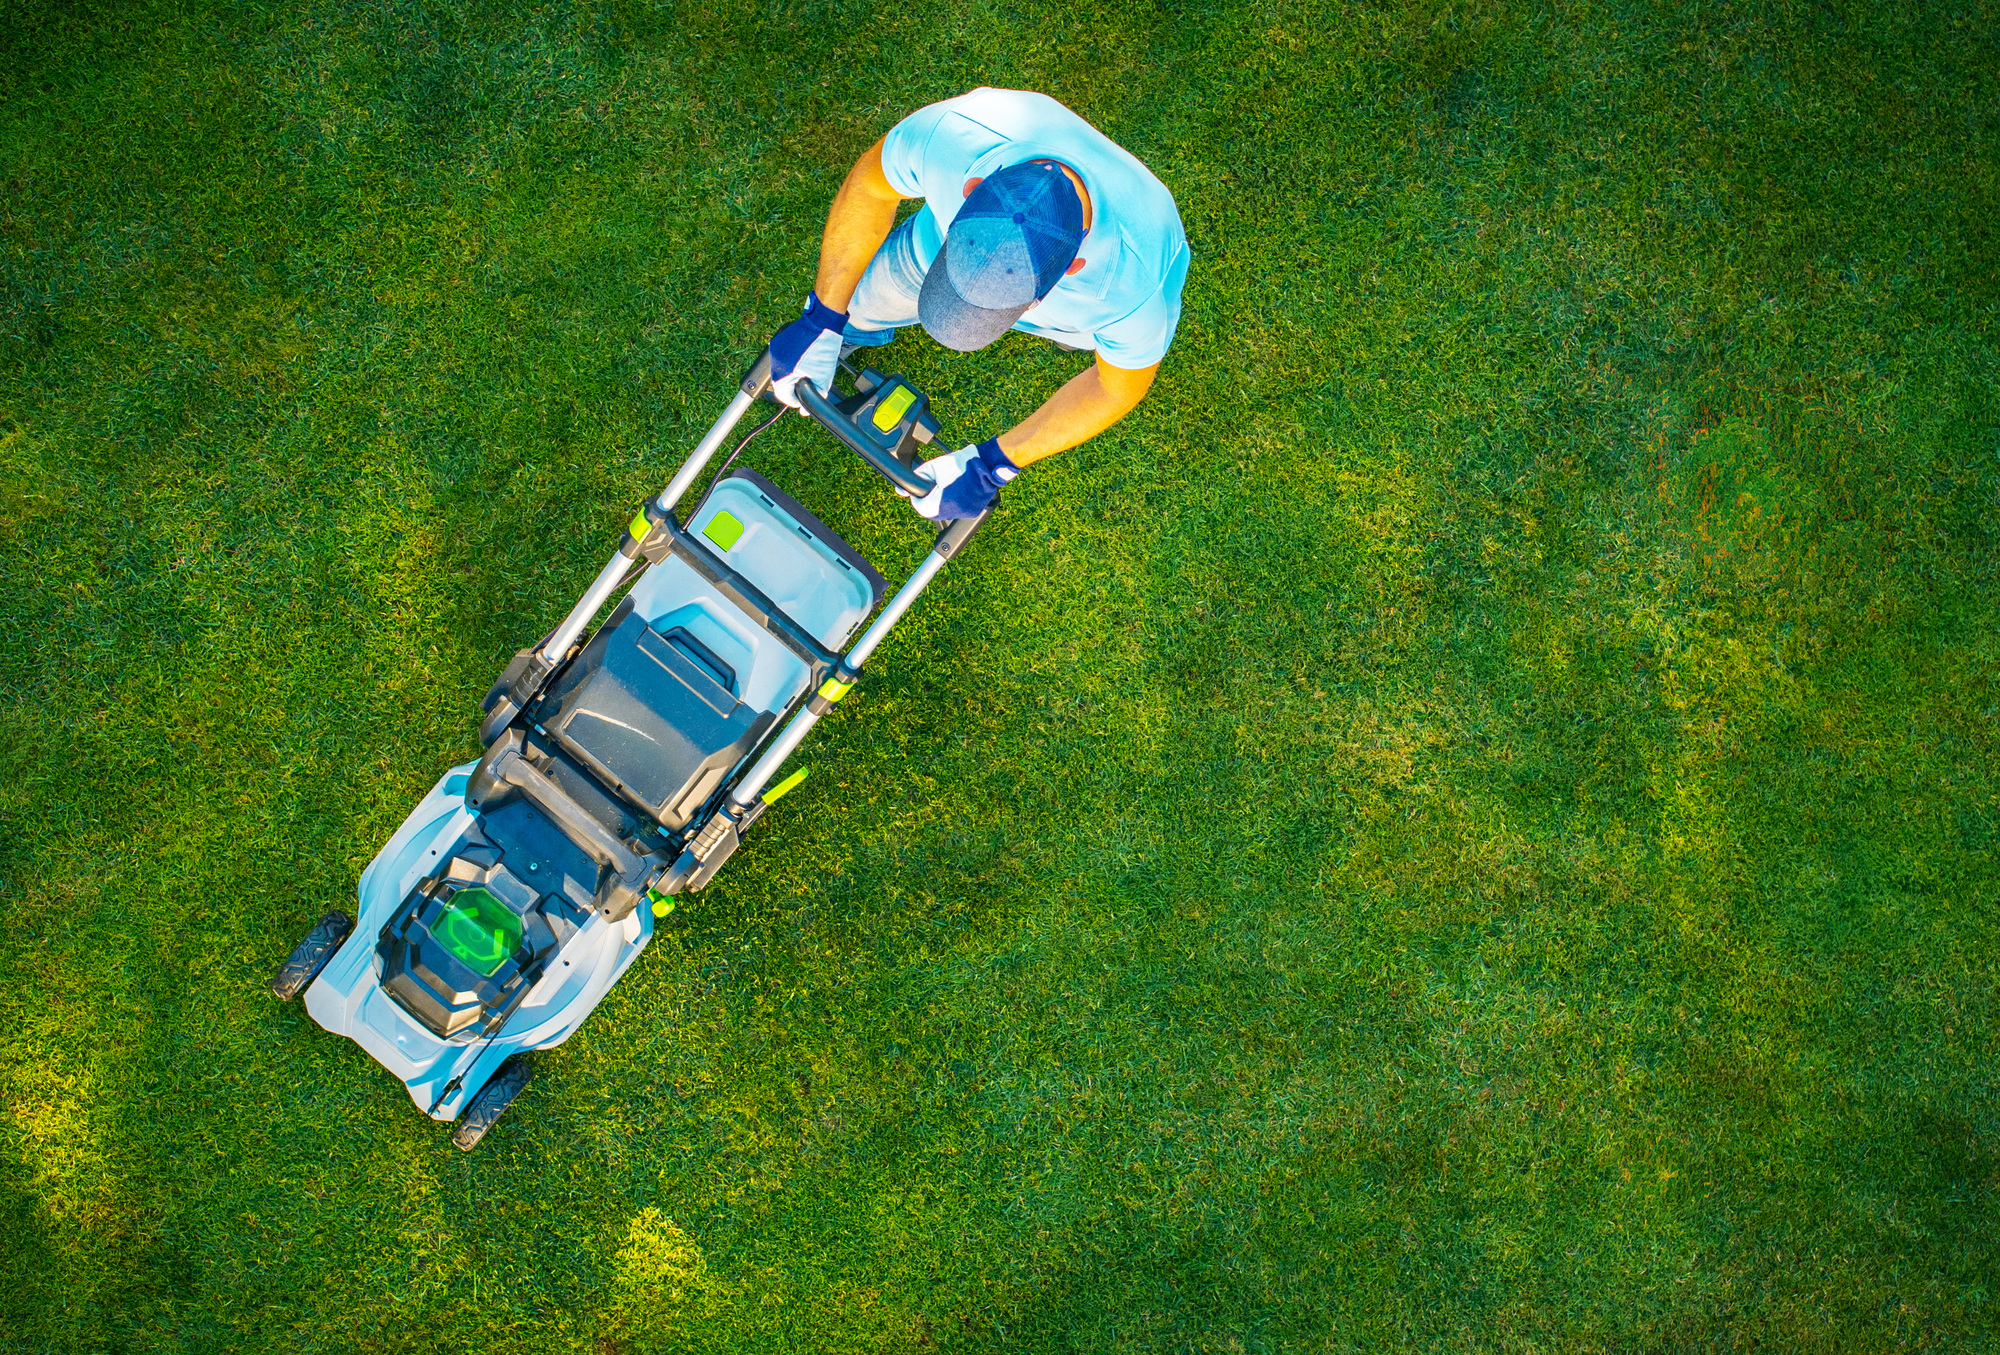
pixel 838 424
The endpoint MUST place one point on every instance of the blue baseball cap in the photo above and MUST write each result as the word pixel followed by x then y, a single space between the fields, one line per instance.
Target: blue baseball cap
pixel 1008 247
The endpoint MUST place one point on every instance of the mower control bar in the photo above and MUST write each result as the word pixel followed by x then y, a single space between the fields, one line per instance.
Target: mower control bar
pixel 914 483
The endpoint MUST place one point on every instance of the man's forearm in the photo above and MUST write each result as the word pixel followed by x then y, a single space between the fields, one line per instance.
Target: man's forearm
pixel 1090 402
pixel 856 225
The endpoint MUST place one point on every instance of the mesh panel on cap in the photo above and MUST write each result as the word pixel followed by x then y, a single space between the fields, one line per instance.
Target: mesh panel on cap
pixel 1033 202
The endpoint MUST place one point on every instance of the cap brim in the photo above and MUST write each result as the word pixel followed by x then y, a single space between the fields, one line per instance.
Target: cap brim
pixel 952 320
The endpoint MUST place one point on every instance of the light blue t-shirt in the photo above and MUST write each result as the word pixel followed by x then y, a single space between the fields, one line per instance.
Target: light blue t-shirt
pixel 1126 299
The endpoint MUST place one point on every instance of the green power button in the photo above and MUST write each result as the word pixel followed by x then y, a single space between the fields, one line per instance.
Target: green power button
pixel 890 411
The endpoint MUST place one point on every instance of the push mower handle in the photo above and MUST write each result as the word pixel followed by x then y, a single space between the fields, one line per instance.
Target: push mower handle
pixel 913 483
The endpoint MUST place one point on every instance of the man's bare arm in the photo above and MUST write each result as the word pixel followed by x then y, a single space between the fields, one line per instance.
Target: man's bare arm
pixel 856 225
pixel 1089 402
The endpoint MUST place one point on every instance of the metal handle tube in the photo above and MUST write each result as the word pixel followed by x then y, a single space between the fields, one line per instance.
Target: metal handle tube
pixel 782 747
pixel 605 584
pixel 698 459
pixel 609 577
pixel 746 790
pixel 886 620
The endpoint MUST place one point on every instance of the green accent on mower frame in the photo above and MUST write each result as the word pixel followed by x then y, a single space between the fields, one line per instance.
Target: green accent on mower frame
pixel 724 530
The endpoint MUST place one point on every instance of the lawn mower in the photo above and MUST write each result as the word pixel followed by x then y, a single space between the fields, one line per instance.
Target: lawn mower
pixel 622 766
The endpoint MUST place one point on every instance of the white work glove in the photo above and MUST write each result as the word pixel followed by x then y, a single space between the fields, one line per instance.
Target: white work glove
pixel 968 480
pixel 808 349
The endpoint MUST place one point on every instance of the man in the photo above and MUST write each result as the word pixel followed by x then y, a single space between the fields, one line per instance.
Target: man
pixel 1032 220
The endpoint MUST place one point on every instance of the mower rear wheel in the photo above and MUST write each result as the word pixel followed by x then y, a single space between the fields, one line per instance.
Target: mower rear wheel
pixel 493 1099
pixel 310 955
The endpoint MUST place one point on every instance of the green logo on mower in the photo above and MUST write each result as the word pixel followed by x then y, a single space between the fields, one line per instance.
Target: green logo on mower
pixel 478 929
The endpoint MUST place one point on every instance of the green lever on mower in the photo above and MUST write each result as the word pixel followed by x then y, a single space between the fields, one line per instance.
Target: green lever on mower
pixel 784 787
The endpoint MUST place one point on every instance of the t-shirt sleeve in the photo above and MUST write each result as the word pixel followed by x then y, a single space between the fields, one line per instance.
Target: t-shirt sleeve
pixel 1142 337
pixel 903 149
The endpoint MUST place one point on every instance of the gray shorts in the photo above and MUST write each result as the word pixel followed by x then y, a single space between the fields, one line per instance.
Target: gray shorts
pixel 886 297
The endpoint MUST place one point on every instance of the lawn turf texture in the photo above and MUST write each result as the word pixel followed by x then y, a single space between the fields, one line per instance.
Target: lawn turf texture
pixel 1468 822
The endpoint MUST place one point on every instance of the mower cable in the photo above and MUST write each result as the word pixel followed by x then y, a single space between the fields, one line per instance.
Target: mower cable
pixel 495 1026
pixel 716 479
pixel 639 564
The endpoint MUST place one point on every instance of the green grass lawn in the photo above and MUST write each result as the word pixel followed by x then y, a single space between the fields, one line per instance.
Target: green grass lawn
pixel 1469 822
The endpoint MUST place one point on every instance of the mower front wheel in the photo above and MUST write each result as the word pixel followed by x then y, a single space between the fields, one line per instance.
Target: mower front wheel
pixel 310 955
pixel 494 1098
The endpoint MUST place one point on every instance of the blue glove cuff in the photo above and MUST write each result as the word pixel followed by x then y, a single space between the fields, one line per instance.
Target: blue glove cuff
pixel 817 312
pixel 996 460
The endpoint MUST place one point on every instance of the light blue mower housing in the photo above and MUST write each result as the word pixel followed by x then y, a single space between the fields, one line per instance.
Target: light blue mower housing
pixel 348 997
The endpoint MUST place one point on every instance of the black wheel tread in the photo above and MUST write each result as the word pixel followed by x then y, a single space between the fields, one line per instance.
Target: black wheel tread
pixel 492 1101
pixel 310 955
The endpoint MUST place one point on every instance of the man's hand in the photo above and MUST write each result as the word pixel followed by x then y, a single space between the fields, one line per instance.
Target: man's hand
pixel 808 349
pixel 968 480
